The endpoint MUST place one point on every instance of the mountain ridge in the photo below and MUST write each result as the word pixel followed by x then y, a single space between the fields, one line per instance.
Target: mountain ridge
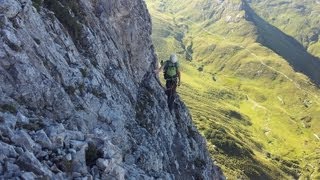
pixel 79 99
pixel 301 60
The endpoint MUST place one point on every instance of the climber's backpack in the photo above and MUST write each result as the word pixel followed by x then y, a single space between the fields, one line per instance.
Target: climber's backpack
pixel 170 70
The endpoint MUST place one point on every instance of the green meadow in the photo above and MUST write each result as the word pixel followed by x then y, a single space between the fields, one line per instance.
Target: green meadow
pixel 260 117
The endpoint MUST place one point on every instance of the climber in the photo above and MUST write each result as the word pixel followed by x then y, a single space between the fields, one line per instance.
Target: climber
pixel 172 76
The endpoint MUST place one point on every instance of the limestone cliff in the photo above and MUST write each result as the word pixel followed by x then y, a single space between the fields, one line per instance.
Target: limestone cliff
pixel 78 98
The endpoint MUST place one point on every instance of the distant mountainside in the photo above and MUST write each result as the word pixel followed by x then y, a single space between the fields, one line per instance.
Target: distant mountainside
pixel 251 79
pixel 287 47
pixel 299 19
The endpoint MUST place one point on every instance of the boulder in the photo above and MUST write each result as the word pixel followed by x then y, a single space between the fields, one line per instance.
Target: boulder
pixel 75 135
pixel 68 157
pixel 79 161
pixel 21 138
pixel 21 118
pixel 95 172
pixel 42 138
pixel 12 169
pixel 77 145
pixel 5 133
pixel 11 40
pixel 103 164
pixel 28 162
pixel 9 120
pixel 42 155
pixel 76 175
pixel 7 150
pixel 28 176
pixel 116 173
pixel 57 135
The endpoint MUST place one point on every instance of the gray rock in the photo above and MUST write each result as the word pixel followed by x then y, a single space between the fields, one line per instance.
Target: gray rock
pixel 57 135
pixel 1 169
pixel 22 139
pixel 69 157
pixel 95 172
pixel 42 155
pixel 29 162
pixel 48 163
pixel 7 150
pixel 12 168
pixel 59 151
pixel 109 177
pixel 10 159
pixel 26 4
pixel 103 164
pixel 22 118
pixel 79 161
pixel 42 138
pixel 60 176
pixel 129 159
pixel 19 150
pixel 77 145
pixel 55 129
pixel 9 8
pixel 72 151
pixel 9 119
pixel 76 175
pixel 75 135
pixel 3 21
pixel 55 169
pixel 28 176
pixel 11 39
pixel 58 140
pixel 2 157
pixel 5 133
pixel 89 177
pixel 114 170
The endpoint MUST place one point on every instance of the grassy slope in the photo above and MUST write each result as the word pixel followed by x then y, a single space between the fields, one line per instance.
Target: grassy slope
pixel 250 108
pixel 296 18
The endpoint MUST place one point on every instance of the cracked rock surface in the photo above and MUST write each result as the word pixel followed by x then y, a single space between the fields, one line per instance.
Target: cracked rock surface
pixel 78 98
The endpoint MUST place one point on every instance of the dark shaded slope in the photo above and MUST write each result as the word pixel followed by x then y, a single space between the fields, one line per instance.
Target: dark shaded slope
pixel 285 46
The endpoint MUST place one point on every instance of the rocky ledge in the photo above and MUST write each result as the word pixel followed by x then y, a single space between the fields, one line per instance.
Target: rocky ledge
pixel 78 98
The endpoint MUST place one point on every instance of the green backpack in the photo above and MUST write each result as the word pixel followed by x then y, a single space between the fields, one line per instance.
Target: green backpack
pixel 170 70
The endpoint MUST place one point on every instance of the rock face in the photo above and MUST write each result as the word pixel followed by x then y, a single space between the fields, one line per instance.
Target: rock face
pixel 78 97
